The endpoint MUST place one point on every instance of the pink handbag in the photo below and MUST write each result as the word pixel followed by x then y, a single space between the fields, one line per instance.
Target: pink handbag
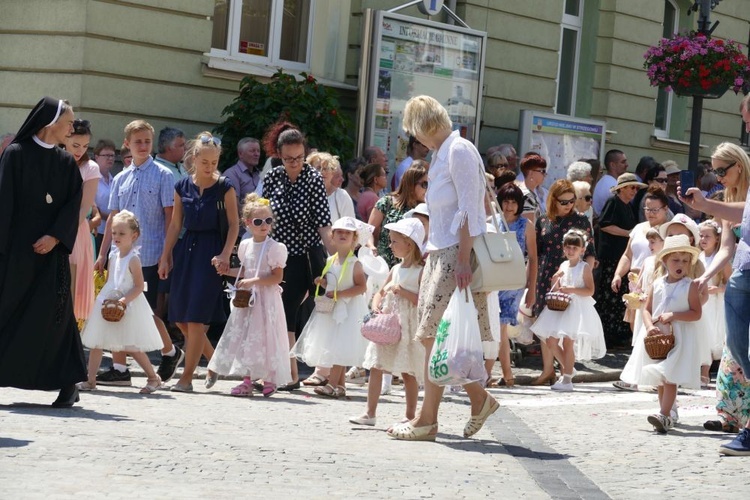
pixel 382 328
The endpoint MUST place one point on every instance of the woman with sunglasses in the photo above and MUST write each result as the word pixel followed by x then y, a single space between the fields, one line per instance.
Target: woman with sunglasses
pixel 616 222
pixel 82 256
pixel 584 199
pixel 200 256
pixel 732 166
pixel 534 170
pixel 655 177
pixel 391 208
pixel 561 217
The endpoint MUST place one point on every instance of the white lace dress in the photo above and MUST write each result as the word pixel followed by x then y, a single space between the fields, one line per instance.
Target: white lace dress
pixel 682 366
pixel 255 341
pixel 136 331
pixel 334 338
pixel 406 356
pixel 579 321
pixel 713 321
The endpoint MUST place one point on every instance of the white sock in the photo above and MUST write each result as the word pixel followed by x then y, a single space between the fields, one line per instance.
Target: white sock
pixel 120 368
pixel 568 379
pixel 171 352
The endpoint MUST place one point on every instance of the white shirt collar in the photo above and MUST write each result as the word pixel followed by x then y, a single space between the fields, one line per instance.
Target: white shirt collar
pixel 42 143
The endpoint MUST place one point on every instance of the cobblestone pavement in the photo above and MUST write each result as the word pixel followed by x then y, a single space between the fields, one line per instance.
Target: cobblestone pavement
pixel 594 443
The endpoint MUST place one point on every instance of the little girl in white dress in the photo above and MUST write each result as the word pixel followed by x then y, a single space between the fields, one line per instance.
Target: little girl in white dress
pixel 136 332
pixel 673 304
pixel 400 291
pixel 578 328
pixel 255 344
pixel 333 339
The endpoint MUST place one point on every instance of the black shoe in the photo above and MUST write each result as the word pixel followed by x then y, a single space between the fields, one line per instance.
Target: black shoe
pixel 289 387
pixel 169 365
pixel 68 397
pixel 114 377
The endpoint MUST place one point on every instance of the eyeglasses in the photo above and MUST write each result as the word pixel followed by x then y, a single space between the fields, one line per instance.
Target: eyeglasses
pixel 566 202
pixel 205 139
pixel 259 222
pixel 652 210
pixel 296 159
pixel 422 184
pixel 722 171
pixel 662 180
pixel 542 171
pixel 587 197
pixel 108 155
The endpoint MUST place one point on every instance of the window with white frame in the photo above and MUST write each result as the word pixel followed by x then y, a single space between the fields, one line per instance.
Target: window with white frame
pixel 570 48
pixel 272 33
pixel 663 98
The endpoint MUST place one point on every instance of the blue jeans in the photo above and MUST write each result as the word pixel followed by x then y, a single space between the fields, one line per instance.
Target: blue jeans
pixel 737 306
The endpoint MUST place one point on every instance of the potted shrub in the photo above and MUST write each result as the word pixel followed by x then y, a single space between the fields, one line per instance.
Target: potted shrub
pixel 694 64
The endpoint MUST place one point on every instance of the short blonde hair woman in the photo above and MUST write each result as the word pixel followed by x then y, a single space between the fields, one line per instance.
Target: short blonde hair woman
pixel 455 200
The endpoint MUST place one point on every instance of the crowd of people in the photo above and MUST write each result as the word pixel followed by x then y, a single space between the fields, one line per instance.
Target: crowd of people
pixel 309 249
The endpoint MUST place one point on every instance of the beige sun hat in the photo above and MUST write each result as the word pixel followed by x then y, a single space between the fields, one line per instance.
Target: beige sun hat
pixel 685 221
pixel 678 243
pixel 627 179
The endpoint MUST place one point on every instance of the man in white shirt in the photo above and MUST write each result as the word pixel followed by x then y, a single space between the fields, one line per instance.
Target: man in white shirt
pixel 616 164
pixel 171 149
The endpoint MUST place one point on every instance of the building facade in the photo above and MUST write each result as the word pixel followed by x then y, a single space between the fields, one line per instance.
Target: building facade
pixel 179 62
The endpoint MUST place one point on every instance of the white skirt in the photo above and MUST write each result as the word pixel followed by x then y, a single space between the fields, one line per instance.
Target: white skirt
pixel 579 322
pixel 135 332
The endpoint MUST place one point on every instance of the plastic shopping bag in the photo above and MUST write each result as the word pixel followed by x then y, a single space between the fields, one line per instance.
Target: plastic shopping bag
pixel 457 356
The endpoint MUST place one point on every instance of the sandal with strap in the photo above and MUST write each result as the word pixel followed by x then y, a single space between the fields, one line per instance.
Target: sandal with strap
pixel 339 391
pixel 152 385
pixel 315 380
pixel 407 432
pixel 325 390
pixel 242 390
pixel 268 389
pixel 476 422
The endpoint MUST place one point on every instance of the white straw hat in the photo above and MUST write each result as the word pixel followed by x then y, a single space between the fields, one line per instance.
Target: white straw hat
pixel 678 243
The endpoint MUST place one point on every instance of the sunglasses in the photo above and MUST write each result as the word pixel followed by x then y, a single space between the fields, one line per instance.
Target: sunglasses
pixel 259 222
pixel 205 139
pixel 722 171
pixel 566 202
pixel 662 180
pixel 422 184
pixel 587 197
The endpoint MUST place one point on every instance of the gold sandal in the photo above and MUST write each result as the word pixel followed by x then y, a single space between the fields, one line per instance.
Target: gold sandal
pixel 407 432
pixel 476 422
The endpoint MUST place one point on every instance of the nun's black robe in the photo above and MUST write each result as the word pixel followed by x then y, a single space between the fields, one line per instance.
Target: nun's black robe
pixel 40 346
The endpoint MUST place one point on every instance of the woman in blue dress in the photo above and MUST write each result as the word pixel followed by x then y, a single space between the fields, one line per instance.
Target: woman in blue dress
pixel 510 199
pixel 200 256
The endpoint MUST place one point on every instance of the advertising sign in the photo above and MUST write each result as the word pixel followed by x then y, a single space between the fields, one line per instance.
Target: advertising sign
pixel 560 140
pixel 409 57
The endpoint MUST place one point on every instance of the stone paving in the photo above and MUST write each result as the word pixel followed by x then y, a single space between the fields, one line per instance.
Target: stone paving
pixel 593 443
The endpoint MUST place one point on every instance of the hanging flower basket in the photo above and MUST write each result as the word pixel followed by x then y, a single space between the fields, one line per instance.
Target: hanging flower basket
pixel 693 64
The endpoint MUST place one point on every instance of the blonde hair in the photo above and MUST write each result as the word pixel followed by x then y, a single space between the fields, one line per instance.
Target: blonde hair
pixel 327 161
pixel 128 218
pixel 204 140
pixel 138 126
pixel 731 153
pixel 424 116
pixel 253 202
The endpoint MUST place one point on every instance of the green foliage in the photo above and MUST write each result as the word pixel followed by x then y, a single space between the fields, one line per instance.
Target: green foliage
pixel 306 103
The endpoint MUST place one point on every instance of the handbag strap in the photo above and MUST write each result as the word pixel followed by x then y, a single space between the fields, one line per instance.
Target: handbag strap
pixel 328 267
pixel 488 199
pixel 257 266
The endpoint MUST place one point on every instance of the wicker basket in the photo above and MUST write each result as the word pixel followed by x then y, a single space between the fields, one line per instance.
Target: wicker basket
pixel 324 304
pixel 242 297
pixel 557 301
pixel 659 345
pixel 113 310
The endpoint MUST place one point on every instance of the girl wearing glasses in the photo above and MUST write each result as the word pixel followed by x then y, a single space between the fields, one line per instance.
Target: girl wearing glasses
pixel 200 256
pixel 255 341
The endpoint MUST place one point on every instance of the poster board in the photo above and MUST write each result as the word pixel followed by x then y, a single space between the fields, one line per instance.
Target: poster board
pixel 407 56
pixel 560 140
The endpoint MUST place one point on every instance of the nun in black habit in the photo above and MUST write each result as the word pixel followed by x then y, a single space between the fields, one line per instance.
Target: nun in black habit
pixel 40 196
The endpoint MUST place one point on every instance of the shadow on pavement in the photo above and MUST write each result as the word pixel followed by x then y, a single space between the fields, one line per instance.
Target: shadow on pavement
pixel 13 443
pixel 74 412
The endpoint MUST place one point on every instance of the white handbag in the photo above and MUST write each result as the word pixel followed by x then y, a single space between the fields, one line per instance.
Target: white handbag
pixel 499 258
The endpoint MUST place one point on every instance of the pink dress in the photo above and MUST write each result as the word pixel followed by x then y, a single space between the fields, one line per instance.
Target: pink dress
pixel 255 341
pixel 82 256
